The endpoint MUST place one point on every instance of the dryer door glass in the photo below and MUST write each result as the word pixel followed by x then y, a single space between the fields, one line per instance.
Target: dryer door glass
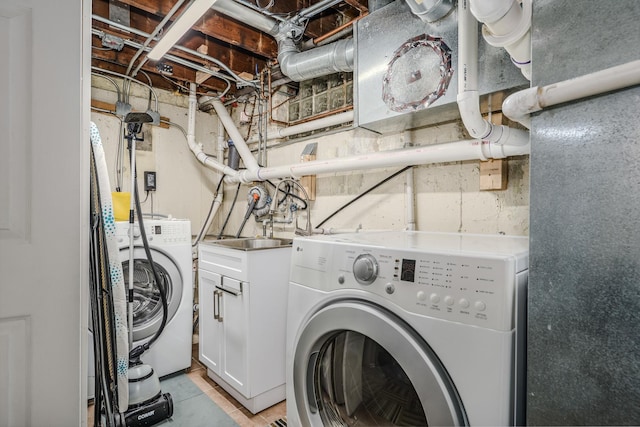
pixel 356 364
pixel 360 383
pixel 147 305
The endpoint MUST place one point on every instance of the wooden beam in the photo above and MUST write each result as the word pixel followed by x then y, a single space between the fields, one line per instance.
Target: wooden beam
pixel 233 59
pixel 357 5
pixel 117 61
pixel 212 24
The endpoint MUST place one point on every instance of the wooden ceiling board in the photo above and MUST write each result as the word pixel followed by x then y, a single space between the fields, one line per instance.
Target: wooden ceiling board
pixel 237 45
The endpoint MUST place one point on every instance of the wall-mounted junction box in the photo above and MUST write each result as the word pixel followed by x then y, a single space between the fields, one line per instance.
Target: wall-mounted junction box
pixel 149 181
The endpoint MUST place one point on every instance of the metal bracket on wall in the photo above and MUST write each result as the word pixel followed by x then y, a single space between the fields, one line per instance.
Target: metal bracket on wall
pixel 308 182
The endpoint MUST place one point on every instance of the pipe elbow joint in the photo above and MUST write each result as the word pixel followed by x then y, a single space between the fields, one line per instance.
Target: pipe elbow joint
pixel 286 50
pixel 519 105
pixel 468 105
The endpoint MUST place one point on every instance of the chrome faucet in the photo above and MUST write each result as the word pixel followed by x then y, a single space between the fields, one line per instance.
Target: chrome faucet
pixel 274 202
pixel 264 226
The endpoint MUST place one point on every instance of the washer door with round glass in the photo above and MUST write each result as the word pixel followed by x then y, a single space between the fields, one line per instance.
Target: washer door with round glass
pixel 356 364
pixel 147 304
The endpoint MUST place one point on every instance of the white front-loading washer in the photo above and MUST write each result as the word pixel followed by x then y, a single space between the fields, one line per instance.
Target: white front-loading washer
pixel 406 328
pixel 170 246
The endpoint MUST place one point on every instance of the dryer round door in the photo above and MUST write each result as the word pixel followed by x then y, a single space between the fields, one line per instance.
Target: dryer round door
pixel 147 305
pixel 357 364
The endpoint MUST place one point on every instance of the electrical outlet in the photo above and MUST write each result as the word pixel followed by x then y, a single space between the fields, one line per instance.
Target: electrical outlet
pixel 149 181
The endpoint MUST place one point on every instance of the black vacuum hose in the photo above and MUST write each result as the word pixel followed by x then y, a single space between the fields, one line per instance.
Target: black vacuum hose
pixel 135 353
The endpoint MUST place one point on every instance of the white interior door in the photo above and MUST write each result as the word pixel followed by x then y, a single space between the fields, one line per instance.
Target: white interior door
pixel 44 146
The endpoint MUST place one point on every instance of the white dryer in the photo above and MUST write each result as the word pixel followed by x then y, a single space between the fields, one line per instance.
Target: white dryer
pixel 170 246
pixel 406 329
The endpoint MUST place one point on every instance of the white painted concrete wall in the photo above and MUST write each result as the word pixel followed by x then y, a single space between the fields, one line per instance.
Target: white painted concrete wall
pixel 185 188
pixel 447 195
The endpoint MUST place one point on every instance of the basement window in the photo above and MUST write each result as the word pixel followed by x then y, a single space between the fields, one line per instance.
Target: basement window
pixel 321 97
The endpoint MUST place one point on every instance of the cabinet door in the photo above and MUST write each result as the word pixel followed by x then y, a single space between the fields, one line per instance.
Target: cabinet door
pixel 210 335
pixel 235 348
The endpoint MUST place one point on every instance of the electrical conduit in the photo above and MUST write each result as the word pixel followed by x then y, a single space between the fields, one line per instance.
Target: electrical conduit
pixel 283 132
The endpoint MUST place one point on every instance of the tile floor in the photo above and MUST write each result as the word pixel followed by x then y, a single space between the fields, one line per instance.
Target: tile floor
pixel 198 374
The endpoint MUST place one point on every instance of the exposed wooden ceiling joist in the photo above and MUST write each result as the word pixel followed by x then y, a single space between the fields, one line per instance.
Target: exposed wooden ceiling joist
pixel 212 24
pixel 240 47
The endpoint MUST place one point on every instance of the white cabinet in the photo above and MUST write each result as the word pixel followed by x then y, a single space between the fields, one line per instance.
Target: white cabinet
pixel 223 347
pixel 243 305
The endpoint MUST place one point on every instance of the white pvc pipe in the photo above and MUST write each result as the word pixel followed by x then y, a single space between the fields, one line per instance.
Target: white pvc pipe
pixel 336 119
pixel 519 105
pixel 244 151
pixel 436 153
pixel 410 202
pixel 468 97
pixel 507 25
pixel 201 156
pixel 217 202
pixel 358 229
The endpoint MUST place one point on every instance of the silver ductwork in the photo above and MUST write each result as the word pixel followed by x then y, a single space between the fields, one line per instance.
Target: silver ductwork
pixel 406 70
pixel 321 61
pixel 296 65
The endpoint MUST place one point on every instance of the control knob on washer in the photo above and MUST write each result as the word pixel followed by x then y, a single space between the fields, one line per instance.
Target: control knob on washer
pixel 365 269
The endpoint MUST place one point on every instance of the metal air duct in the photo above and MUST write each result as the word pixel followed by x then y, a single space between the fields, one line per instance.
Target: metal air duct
pixel 321 61
pixel 296 65
pixel 406 70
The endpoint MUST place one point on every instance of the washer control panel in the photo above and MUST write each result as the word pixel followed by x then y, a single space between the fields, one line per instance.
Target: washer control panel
pixel 365 269
pixel 165 232
pixel 461 286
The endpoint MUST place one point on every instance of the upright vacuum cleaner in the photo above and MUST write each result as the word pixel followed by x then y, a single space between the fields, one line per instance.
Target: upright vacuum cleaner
pixel 147 404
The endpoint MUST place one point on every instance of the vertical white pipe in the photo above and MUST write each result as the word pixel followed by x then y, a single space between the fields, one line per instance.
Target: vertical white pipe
pixel 217 202
pixel 468 97
pixel 191 114
pixel 410 200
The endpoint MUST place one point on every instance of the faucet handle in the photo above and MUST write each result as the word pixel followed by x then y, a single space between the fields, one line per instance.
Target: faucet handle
pixel 302 232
